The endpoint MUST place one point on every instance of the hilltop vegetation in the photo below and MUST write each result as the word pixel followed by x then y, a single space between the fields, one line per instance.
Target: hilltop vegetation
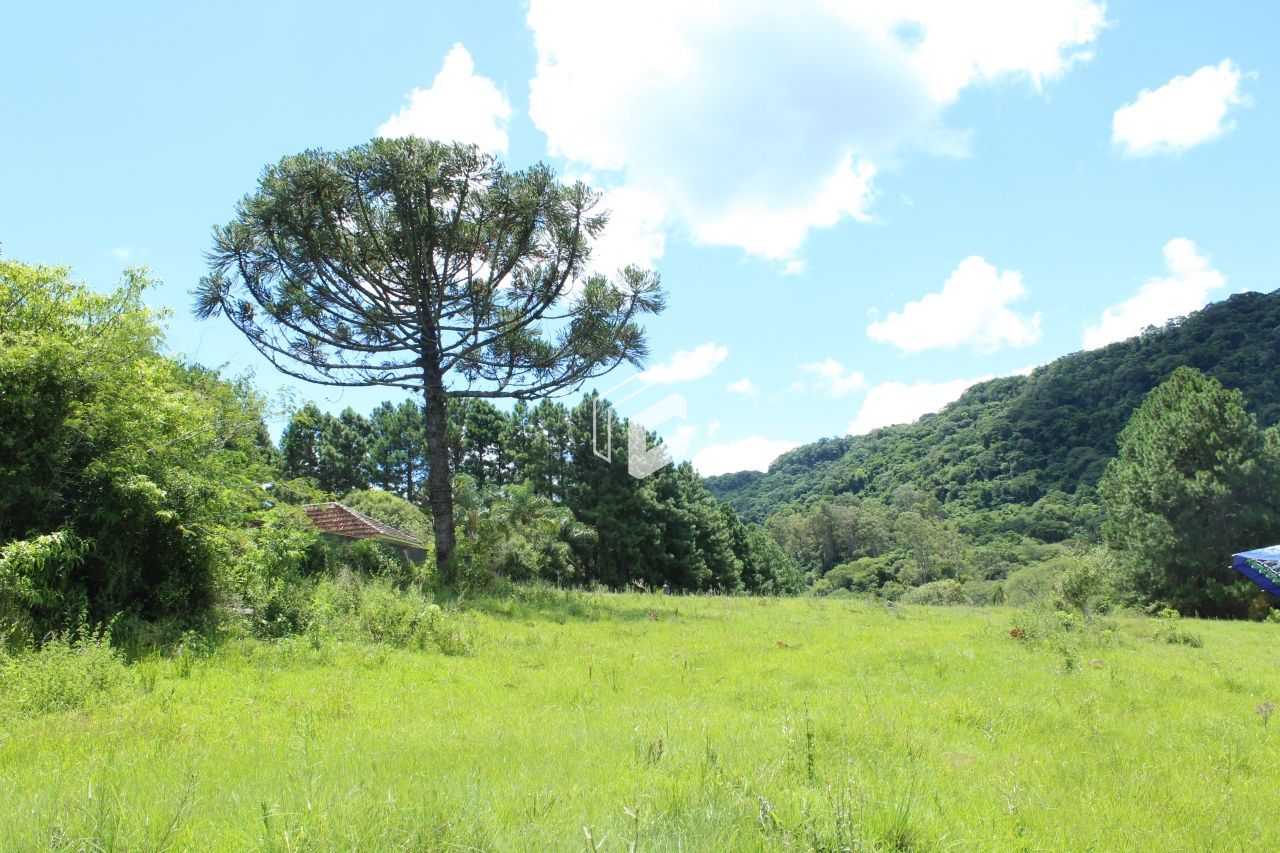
pixel 1017 440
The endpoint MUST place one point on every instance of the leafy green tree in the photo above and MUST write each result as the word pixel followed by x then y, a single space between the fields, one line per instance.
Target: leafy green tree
pixel 766 570
pixel 392 510
pixel 428 267
pixel 119 467
pixel 1194 481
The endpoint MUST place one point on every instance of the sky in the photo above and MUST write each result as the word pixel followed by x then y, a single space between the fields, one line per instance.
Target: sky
pixel 857 209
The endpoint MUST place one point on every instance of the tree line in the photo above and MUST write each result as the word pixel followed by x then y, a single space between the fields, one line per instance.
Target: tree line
pixel 664 529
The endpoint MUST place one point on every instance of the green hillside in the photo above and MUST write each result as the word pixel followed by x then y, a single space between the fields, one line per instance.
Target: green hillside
pixel 1016 439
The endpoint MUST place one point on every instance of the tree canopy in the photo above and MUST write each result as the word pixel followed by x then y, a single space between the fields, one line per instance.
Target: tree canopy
pixel 118 465
pixel 1195 480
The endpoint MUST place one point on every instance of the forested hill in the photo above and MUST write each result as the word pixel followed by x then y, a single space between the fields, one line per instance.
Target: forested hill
pixel 1014 439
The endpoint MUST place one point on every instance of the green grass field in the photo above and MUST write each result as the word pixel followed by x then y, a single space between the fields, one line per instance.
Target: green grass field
pixel 621 721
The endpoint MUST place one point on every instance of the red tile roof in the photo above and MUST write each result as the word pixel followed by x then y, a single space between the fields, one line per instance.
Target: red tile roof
pixel 344 521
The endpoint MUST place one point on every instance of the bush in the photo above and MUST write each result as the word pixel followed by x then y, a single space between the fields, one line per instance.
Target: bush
pixel 937 593
pixel 1169 630
pixel 33 574
pixel 375 610
pixel 1034 584
pixel 519 535
pixel 107 443
pixel 271 572
pixel 70 668
pixel 1088 583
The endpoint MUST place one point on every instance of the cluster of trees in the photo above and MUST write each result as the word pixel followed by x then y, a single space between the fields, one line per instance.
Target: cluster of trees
pixel 909 540
pixel 581 518
pixel 1195 479
pixel 131 484
pixel 121 470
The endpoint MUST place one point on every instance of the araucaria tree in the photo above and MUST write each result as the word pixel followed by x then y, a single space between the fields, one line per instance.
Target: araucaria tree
pixel 428 267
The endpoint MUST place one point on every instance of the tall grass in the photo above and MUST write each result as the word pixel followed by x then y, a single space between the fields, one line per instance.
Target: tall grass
pixel 613 722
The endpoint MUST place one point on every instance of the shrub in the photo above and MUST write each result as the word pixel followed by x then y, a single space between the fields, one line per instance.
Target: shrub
pixel 271 572
pixel 1088 582
pixel 1169 630
pixel 69 668
pixel 375 610
pixel 937 593
pixel 33 574
pixel 1033 584
pixel 519 535
pixel 107 442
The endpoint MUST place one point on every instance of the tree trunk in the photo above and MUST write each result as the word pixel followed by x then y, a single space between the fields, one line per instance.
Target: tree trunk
pixel 439 477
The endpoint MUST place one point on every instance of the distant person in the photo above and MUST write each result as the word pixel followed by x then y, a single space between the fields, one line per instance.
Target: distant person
pixel 666 588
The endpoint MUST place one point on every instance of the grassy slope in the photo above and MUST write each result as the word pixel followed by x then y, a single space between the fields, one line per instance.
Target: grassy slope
pixel 716 723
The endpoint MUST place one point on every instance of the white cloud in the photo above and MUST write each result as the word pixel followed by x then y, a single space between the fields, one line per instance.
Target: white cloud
pixel 1181 114
pixel 686 365
pixel 754 123
pixel 742 387
pixel 636 233
pixel 746 454
pixel 971 309
pixel 963 44
pixel 899 403
pixel 834 379
pixel 713 427
pixel 122 253
pixel 1186 288
pixel 460 106
pixel 683 435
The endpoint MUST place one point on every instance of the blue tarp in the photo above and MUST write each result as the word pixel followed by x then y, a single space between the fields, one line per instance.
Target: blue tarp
pixel 1261 566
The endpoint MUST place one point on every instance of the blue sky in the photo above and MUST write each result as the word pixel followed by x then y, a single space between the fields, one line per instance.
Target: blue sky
pixel 856 208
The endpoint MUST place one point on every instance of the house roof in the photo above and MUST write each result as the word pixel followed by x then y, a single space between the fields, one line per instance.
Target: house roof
pixel 339 520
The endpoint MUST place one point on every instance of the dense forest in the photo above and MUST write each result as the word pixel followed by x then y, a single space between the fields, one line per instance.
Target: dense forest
pixel 996 498
pixel 1017 439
